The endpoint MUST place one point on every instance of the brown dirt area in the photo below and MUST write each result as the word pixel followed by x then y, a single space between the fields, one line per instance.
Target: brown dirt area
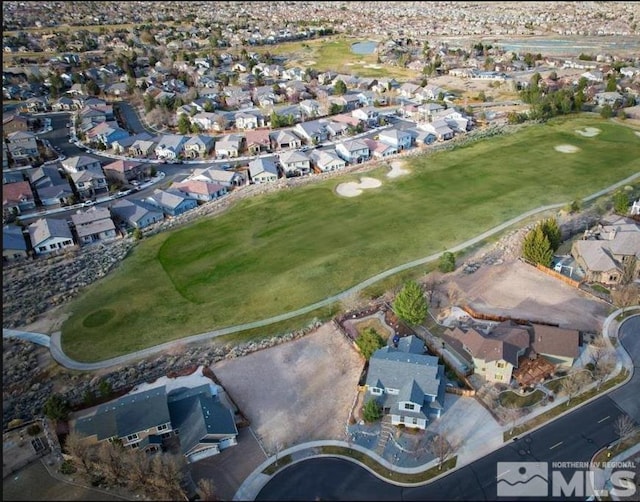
pixel 518 290
pixel 298 391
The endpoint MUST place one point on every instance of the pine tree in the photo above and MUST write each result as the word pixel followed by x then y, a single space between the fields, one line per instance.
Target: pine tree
pixel 536 247
pixel 552 231
pixel 410 304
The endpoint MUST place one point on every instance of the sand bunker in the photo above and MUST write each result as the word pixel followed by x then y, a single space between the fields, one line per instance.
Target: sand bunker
pixel 567 148
pixel 637 133
pixel 589 132
pixel 353 189
pixel 397 169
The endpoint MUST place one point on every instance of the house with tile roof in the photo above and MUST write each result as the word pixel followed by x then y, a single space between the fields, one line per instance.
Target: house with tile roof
pixel 216 175
pixel 354 151
pixel 295 163
pixel 80 163
pixel 499 354
pixel 48 235
pixel 257 141
pixel 198 146
pixel 607 249
pixel 408 383
pixel 17 198
pixel 326 160
pixel 144 420
pixel 201 190
pixel 124 171
pixel 89 183
pixel 170 146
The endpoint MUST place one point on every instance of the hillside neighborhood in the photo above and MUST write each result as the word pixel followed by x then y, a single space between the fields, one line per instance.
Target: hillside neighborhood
pixel 137 118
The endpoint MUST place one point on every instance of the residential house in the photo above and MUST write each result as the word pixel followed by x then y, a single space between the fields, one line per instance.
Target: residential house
pixel 257 141
pixel 294 163
pixel 609 98
pixel 142 148
pixel 52 188
pixel 455 120
pixel 89 183
pixel 124 171
pixel 229 146
pixel 425 112
pixel 144 420
pixel 354 151
pixel 347 102
pixel 170 146
pixel 336 129
pixel 368 115
pixel 206 426
pixel 326 160
pixel 408 383
pixel 17 198
pixel 201 190
pixel 379 149
pixel 48 235
pixel 249 119
pixel 215 175
pixel 421 137
pixel 80 163
pixel 494 356
pixel 401 140
pixel 198 146
pixel 285 139
pixel 310 108
pixel 106 133
pixel 122 145
pixel 172 202
pixel 263 170
pixel 210 121
pixel 135 214
pixel 14 245
pixel 608 249
pixel 62 104
pixel 438 128
pixel 22 144
pixel 313 131
pixel 94 225
pixel 408 90
pixel 560 346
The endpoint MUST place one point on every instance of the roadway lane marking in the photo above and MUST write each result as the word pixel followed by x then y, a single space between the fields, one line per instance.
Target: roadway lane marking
pixel 603 419
pixel 557 444
pixel 505 472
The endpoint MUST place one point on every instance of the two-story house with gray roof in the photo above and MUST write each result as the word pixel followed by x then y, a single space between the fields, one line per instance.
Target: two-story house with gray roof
pixel 172 202
pixel 143 420
pixel 408 383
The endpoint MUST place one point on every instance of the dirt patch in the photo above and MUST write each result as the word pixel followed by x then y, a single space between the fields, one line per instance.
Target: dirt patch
pixel 298 391
pixel 521 291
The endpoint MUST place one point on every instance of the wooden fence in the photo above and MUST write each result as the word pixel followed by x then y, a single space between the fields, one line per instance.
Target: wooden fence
pixel 558 275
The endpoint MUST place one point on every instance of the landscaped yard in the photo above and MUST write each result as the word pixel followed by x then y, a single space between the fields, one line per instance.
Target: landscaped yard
pixel 510 398
pixel 286 250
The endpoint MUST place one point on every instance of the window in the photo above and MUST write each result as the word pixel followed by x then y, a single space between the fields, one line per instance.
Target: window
pixel 500 364
pixel 409 406
pixel 498 377
pixel 134 446
pixel 376 391
pixel 132 437
pixel 162 427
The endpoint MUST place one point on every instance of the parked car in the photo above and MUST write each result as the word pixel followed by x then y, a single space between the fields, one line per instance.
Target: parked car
pixel 89 203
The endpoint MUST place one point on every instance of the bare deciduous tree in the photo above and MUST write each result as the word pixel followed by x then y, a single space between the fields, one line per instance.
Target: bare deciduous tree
pixel 431 283
pixel 573 383
pixel 81 451
pixel 111 461
pixel 206 489
pixel 510 414
pixel 137 469
pixel 599 351
pixel 442 448
pixel 624 426
pixel 352 301
pixel 166 477
pixel 453 293
pixel 603 369
pixel 626 295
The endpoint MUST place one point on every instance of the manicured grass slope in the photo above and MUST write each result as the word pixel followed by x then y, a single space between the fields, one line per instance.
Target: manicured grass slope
pixel 283 251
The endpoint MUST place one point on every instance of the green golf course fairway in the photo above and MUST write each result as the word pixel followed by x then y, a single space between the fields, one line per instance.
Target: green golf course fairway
pixel 279 252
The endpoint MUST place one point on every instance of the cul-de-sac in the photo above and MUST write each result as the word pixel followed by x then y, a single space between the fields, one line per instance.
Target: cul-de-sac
pixel 321 250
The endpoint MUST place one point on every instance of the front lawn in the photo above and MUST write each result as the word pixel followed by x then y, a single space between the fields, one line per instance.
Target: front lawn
pixel 279 252
pixel 510 398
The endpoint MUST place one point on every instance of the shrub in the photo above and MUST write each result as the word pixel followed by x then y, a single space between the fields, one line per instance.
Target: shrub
pixel 67 467
pixel 372 411
pixel 34 430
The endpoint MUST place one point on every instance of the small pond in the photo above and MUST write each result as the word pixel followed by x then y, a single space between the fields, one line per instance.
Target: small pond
pixel 364 48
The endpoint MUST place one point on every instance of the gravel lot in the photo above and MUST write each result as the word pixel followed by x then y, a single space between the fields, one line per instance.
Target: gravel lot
pixel 519 290
pixel 296 392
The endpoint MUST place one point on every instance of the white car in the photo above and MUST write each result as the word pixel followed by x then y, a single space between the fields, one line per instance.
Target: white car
pixel 89 203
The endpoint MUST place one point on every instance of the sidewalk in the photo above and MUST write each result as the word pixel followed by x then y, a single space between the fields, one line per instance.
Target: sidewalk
pixel 628 460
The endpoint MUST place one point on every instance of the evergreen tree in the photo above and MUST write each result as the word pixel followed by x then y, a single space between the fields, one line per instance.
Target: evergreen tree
pixel 620 202
pixel 371 411
pixel 552 231
pixel 369 341
pixel 410 304
pixel 447 262
pixel 536 247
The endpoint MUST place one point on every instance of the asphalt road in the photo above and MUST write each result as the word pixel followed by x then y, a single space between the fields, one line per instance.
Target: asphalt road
pixel 575 437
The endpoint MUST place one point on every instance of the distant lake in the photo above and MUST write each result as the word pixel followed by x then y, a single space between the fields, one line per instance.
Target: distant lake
pixel 364 48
